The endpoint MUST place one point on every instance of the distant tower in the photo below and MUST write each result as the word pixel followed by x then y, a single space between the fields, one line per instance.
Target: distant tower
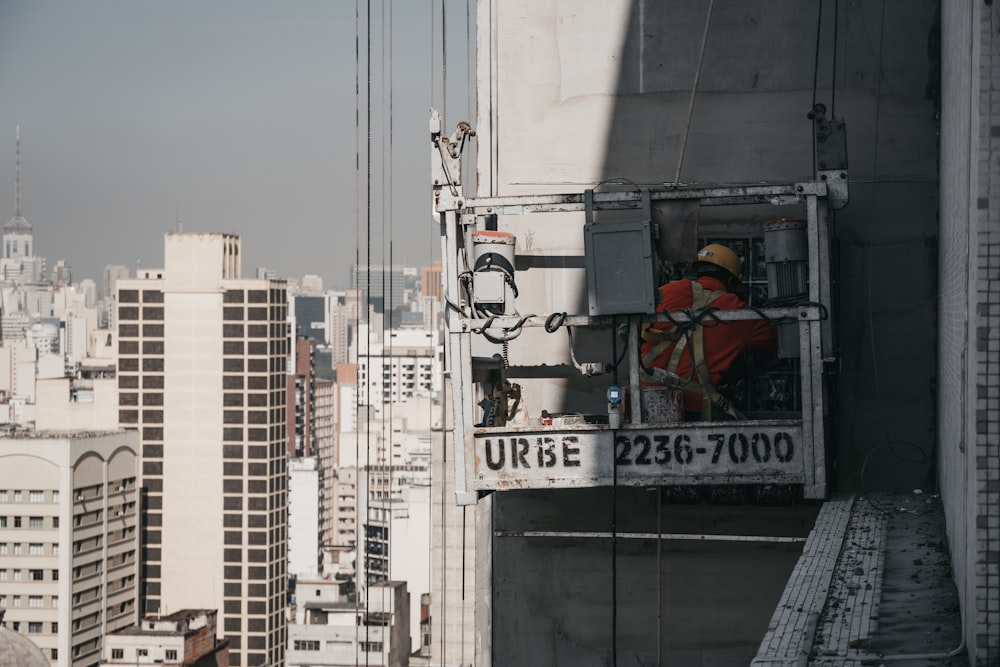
pixel 18 264
pixel 17 233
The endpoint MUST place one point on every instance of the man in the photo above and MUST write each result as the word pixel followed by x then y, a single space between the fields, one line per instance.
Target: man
pixel 697 356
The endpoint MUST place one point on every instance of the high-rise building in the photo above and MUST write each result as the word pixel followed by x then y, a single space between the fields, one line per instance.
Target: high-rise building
pixel 397 364
pixel 68 538
pixel 430 281
pixel 302 401
pixel 303 517
pixel 201 375
pixel 326 454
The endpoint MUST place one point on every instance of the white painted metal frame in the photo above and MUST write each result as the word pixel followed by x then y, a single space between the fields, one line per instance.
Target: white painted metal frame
pixel 637 454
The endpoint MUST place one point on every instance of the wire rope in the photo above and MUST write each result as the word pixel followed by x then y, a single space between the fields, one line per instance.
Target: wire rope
pixel 833 76
pixel 694 92
pixel 819 32
pixel 358 301
pixel 368 282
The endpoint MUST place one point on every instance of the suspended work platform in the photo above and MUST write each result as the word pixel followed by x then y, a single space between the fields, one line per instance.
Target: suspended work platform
pixel 537 409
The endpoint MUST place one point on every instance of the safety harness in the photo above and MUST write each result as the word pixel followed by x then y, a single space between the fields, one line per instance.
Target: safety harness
pixel 694 336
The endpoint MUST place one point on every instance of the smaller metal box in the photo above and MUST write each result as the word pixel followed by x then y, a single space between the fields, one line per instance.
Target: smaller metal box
pixel 619 259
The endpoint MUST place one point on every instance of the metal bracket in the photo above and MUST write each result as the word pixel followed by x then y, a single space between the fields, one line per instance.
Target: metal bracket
pixel 446 162
pixel 831 155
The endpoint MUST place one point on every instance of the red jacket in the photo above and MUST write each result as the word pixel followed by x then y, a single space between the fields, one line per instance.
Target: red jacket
pixel 723 343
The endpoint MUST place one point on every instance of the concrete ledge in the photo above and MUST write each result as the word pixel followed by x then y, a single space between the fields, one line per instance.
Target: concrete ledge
pixel 791 632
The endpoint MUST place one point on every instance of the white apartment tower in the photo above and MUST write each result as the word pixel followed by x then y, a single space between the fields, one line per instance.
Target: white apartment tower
pixel 201 376
pixel 68 539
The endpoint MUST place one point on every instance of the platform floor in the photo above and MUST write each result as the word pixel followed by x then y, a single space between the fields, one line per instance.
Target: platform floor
pixel 873 586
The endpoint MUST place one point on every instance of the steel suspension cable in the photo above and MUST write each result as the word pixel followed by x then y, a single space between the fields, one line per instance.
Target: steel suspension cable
pixel 357 300
pixel 368 281
pixel 694 92
pixel 833 76
pixel 819 32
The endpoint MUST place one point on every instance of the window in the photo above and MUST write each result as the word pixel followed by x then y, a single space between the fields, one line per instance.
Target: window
pixel 17 549
pixel 17 575
pixel 55 549
pixel 36 496
pixel 17 497
pixel 171 654
pixel 55 522
pixel 117 654
pixel 3 575
pixel 55 499
pixel 35 601
pixel 36 522
pixel 3 522
pixel 3 548
pixel 141 652
pixel 35 549
pixel 34 627
pixel 306 645
pixel 36 575
pixel 3 496
pixel 17 522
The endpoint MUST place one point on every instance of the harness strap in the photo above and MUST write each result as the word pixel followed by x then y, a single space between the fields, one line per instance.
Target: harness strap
pixel 700 299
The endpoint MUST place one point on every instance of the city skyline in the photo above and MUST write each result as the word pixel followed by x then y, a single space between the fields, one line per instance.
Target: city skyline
pixel 229 117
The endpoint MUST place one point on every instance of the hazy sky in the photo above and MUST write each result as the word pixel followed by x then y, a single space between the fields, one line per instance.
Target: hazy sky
pixel 229 116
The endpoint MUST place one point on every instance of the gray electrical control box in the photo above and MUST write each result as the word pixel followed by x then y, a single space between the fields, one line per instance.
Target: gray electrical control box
pixel 620 267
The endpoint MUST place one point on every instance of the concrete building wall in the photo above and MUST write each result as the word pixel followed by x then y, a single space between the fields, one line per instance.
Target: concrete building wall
pixel 303 517
pixel 573 94
pixel 455 560
pixel 57 408
pixel 969 316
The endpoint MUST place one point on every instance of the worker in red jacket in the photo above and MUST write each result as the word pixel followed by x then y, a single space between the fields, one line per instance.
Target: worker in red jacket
pixel 696 357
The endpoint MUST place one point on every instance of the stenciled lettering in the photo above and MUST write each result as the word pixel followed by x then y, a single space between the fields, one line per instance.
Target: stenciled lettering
pixel 546 452
pixel 498 463
pixel 729 448
pixel 570 453
pixel 518 453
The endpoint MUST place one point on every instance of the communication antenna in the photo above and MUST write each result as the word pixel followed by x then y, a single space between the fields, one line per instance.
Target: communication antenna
pixel 17 175
pixel 177 218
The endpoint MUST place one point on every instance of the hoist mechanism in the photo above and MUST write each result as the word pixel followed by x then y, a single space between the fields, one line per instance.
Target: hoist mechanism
pixel 538 410
pixel 446 160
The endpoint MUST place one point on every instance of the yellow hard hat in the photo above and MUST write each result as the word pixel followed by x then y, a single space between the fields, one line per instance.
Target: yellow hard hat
pixel 720 255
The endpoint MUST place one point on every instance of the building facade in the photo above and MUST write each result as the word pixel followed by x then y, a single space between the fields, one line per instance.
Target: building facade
pixel 69 540
pixel 187 637
pixel 202 357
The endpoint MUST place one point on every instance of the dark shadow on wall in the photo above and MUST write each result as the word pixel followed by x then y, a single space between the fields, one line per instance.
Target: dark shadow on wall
pixel 761 69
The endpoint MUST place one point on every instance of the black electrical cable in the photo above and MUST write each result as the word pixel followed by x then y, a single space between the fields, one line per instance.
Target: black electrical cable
pixel 614 513
pixel 554 321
